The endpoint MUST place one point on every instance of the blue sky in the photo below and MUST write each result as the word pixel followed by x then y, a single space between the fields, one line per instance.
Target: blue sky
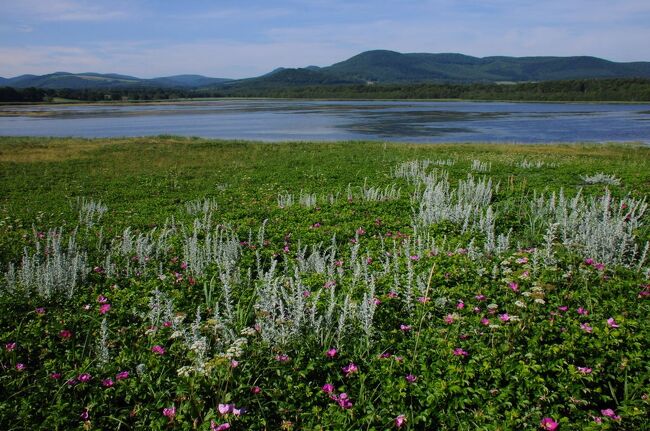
pixel 236 39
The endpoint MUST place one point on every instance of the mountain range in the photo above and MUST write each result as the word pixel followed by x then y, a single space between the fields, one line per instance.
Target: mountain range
pixel 370 67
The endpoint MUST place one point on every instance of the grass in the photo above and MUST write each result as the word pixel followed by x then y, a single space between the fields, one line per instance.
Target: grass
pixel 264 285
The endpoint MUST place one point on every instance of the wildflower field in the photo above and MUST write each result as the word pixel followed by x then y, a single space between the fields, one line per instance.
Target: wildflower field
pixel 177 283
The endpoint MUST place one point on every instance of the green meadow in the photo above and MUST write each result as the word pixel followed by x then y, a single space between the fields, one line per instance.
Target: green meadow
pixel 184 283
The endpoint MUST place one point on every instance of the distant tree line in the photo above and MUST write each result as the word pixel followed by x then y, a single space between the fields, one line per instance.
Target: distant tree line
pixel 629 90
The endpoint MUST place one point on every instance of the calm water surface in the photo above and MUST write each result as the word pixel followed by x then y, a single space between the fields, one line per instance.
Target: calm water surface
pixel 281 120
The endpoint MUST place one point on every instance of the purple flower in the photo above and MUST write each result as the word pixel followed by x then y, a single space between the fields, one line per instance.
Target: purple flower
pixel 504 317
pixel 328 388
pixel 410 378
pixel 108 383
pixel 350 368
pixel 40 311
pixel 548 424
pixel 331 353
pixel 84 378
pixel 400 421
pixel 20 366
pixel 122 375
pixel 10 346
pixel 102 299
pixel 84 415
pixel 169 412
pixel 612 323
pixel 158 350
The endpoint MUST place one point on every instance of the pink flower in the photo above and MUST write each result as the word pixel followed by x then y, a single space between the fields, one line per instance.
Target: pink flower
pixel 234 364
pixel 612 323
pixel 460 305
pixel 589 261
pixel 582 311
pixel 485 321
pixel 343 401
pixel 158 350
pixel 350 368
pixel 10 346
pixel 167 324
pixel 328 388
pixel 220 427
pixel 405 328
pixel 522 260
pixel 504 317
pixel 65 334
pixel 598 419
pixel 329 283
pixel 376 301
pixel 282 358
pixel 585 327
pixel 55 376
pixel 169 412
pixel 480 297
pixel 423 299
pixel 331 353
pixel 584 370
pixel 548 424
pixel 122 375
pixel 102 299
pixel 460 352
pixel 40 311
pixel 563 308
pixel 410 378
pixel 400 421
pixel 84 378
pixel 392 294
pixel 84 415
pixel 107 383
pixel 414 257
pixel 256 390
pixel 385 355
pixel 599 266
pixel 103 309
pixel 20 366
pixel 610 414
pixel 514 286
pixel 224 409
pixel 449 319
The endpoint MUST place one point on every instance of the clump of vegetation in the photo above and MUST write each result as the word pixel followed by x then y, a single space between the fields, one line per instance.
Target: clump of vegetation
pixel 432 299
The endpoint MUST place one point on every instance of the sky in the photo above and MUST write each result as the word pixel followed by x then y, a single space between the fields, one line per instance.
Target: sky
pixel 238 39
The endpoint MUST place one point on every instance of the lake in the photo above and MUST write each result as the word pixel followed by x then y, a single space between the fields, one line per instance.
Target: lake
pixel 282 120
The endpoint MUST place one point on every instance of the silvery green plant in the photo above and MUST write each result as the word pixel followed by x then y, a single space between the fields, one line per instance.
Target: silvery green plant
pixel 601 178
pixel 479 166
pixel 52 269
pixel 90 211
pixel 601 228
pixel 201 206
pixel 219 247
pixel 103 356
pixel 285 200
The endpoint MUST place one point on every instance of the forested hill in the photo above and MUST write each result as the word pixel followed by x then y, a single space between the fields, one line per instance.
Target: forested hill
pixel 623 90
